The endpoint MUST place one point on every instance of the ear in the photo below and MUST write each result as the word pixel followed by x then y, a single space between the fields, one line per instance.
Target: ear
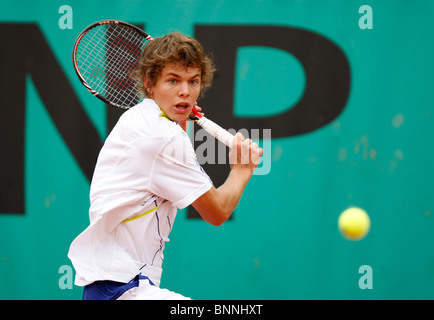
pixel 146 85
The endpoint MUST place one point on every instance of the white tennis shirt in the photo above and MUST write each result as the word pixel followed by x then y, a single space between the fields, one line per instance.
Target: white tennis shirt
pixel 146 169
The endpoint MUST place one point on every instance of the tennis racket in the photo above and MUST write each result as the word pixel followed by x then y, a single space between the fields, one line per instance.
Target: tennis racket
pixel 106 53
pixel 213 129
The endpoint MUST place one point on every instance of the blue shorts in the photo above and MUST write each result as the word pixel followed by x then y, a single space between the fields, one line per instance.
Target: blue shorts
pixel 110 290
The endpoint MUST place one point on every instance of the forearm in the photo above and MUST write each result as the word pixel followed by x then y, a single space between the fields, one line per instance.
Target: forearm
pixel 231 191
pixel 217 205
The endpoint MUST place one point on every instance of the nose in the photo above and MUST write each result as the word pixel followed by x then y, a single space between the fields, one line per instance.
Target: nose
pixel 184 89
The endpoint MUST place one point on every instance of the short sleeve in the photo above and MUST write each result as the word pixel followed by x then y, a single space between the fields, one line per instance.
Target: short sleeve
pixel 176 174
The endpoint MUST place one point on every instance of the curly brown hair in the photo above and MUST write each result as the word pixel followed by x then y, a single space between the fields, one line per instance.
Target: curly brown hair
pixel 174 48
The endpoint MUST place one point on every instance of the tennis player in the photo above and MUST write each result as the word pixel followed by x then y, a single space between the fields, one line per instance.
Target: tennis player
pixel 146 170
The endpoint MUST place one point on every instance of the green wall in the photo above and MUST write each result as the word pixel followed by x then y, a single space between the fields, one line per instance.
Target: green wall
pixel 283 241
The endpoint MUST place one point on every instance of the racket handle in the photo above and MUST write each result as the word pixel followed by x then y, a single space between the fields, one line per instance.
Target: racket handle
pixel 216 131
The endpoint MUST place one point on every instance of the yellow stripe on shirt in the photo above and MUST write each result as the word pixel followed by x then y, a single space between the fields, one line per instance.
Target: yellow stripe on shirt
pixel 140 215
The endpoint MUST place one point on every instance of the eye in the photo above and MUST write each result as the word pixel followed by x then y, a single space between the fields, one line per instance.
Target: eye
pixel 172 81
pixel 195 81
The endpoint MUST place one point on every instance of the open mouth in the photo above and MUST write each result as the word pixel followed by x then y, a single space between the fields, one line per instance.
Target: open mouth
pixel 182 107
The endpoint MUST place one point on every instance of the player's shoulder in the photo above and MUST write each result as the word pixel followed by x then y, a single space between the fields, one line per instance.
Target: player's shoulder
pixel 150 120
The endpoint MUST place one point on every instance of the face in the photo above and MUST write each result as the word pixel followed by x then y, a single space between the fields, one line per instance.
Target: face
pixel 176 91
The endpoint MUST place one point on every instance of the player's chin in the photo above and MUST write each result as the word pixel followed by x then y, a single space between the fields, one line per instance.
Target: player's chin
pixel 180 118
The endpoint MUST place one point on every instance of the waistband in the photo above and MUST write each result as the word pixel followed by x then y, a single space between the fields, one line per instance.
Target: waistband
pixel 110 290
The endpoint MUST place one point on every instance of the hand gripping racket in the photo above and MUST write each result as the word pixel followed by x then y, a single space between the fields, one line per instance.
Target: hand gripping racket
pixel 106 53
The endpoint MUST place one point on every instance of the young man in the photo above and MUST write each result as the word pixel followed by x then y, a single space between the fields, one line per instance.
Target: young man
pixel 147 169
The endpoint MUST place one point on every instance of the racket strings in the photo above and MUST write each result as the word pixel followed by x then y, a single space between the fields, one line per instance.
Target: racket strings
pixel 106 56
pixel 123 52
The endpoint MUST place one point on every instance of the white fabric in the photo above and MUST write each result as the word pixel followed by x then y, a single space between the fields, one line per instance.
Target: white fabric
pixel 146 291
pixel 146 169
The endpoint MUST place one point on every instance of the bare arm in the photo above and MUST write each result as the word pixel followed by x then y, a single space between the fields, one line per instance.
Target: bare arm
pixel 216 205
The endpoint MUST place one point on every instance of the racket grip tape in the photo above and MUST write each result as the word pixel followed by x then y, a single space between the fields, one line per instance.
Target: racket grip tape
pixel 216 131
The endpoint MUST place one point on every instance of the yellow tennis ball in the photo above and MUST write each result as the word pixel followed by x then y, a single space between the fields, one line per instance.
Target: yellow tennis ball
pixel 354 223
